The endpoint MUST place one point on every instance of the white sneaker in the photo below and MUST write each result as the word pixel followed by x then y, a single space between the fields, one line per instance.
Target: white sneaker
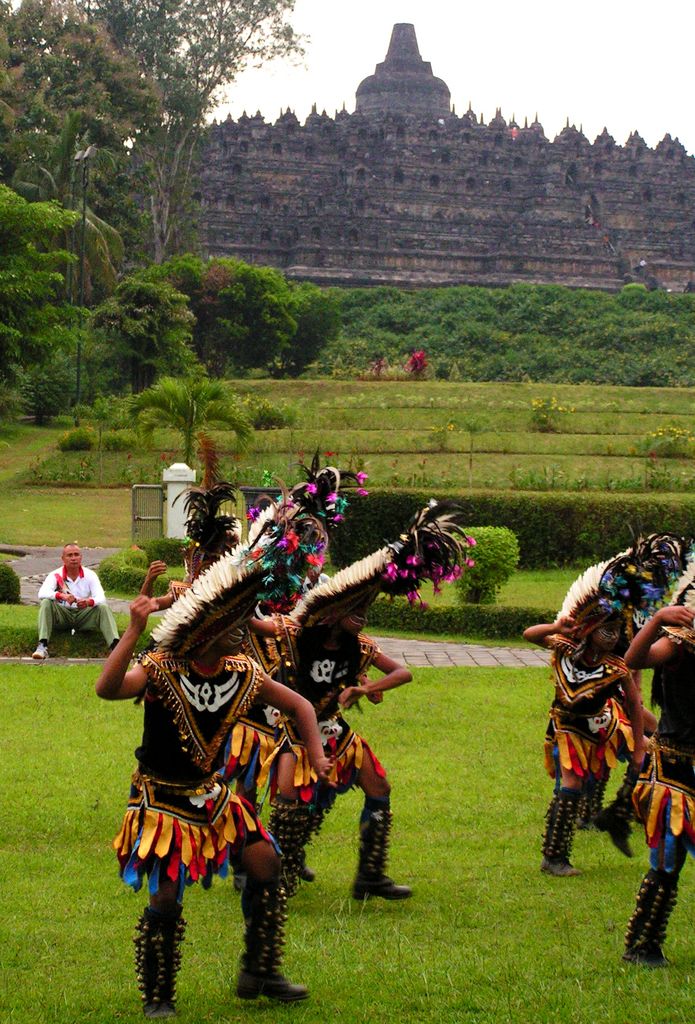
pixel 41 652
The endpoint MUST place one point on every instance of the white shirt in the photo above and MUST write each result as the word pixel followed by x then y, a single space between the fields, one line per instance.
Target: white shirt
pixel 86 585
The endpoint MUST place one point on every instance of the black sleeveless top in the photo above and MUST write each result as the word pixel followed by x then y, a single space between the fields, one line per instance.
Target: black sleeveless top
pixel 677 722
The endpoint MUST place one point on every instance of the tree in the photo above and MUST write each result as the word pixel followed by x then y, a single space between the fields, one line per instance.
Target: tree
pixel 191 50
pixel 34 318
pixel 57 180
pixel 147 324
pixel 192 407
pixel 59 62
pixel 243 314
pixel 317 313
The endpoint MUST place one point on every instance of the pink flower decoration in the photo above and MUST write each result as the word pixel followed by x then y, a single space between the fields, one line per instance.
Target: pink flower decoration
pixel 362 493
pixel 311 489
pixel 361 477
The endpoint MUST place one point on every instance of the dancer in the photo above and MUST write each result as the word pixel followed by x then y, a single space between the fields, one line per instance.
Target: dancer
pixel 183 823
pixel 655 565
pixel 310 512
pixel 588 730
pixel 324 656
pixel 664 797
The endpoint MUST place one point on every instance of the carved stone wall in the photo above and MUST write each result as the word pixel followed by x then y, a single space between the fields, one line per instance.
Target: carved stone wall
pixel 424 197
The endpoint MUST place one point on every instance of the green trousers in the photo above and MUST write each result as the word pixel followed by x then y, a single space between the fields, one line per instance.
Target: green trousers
pixel 56 615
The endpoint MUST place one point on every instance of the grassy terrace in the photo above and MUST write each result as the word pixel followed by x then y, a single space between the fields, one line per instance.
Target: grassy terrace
pixel 419 433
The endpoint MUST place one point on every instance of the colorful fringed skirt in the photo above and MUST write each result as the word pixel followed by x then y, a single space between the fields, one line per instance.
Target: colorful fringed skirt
pixel 251 748
pixel 339 742
pixel 587 746
pixel 184 833
pixel 664 801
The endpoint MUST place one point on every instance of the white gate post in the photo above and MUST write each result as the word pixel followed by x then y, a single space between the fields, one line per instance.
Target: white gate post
pixel 177 478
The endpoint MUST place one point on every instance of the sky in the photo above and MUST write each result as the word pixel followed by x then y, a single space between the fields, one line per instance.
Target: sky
pixel 622 65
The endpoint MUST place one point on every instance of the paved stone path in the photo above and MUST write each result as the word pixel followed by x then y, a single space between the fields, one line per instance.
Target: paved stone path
pixel 36 563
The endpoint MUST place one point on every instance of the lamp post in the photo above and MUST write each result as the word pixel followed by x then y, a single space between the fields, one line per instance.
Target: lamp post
pixel 82 159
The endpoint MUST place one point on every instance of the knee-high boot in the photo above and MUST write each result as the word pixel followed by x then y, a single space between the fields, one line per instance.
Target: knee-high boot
pixel 591 802
pixel 647 928
pixel 291 825
pixel 616 817
pixel 559 833
pixel 158 939
pixel 318 816
pixel 265 910
pixel 375 829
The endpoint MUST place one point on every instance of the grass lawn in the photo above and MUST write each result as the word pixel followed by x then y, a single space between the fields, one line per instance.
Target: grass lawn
pixel 485 939
pixel 60 515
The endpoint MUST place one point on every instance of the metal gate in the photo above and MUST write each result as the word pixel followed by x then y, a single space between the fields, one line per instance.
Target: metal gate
pixel 147 511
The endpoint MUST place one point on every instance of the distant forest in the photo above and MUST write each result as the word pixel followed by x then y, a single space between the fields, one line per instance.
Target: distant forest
pixel 524 332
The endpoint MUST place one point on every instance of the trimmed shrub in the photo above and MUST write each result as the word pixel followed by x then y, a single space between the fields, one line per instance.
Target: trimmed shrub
pixel 81 439
pixel 266 416
pixel 9 585
pixel 119 440
pixel 491 622
pixel 496 556
pixel 165 549
pixel 126 570
pixel 553 529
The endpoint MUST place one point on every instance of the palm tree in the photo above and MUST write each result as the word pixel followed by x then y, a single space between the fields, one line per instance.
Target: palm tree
pixel 57 181
pixel 192 406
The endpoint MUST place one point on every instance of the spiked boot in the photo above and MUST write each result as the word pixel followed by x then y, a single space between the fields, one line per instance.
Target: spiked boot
pixel 559 833
pixel 158 939
pixel 590 803
pixel 291 825
pixel 647 928
pixel 616 817
pixel 265 912
pixel 372 880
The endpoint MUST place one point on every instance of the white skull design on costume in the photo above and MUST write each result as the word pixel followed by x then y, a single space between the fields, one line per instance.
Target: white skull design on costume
pixel 200 801
pixel 205 697
pixel 322 671
pixel 272 715
pixel 329 729
pixel 601 721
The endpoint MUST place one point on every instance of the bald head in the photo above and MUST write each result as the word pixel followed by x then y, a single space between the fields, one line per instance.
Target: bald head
pixel 72 559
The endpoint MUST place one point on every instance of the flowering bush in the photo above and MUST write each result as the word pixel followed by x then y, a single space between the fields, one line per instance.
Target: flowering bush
pixel 545 413
pixel 671 442
pixel 416 364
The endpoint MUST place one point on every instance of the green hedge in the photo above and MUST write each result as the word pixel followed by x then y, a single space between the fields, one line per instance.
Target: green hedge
pixel 126 570
pixel 492 622
pixel 9 585
pixel 552 529
pixel 165 549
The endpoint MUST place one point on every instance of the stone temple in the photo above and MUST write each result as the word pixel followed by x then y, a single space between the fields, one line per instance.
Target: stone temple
pixel 405 192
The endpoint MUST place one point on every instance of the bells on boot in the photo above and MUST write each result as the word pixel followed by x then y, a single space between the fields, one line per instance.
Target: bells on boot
pixel 158 939
pixel 647 928
pixel 372 879
pixel 559 833
pixel 291 825
pixel 265 910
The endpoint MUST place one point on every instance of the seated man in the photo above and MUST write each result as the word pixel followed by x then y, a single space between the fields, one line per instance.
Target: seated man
pixel 73 598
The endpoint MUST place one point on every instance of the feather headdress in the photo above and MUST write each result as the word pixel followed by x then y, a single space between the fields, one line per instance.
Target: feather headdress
pixel 432 548
pixel 219 601
pixel 291 536
pixel 210 532
pixel 631 585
